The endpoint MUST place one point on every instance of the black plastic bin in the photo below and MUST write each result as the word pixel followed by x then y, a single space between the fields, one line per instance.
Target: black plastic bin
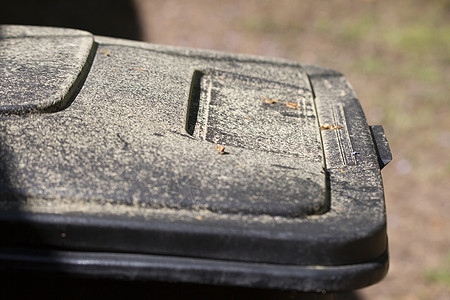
pixel 129 161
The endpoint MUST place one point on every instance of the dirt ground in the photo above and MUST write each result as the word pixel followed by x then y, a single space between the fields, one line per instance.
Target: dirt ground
pixel 397 57
pixel 396 54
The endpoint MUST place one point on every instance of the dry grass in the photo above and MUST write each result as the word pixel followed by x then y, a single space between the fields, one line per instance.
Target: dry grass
pixel 396 54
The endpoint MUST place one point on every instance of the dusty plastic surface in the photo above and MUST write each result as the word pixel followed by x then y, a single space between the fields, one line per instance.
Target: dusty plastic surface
pixel 41 67
pixel 245 170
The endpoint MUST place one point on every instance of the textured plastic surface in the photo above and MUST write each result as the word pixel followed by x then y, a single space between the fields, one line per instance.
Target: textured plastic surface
pixel 214 157
pixel 40 67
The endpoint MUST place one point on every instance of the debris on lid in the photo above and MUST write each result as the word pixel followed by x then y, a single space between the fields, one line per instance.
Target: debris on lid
pixel 270 101
pixel 219 148
pixel 106 52
pixel 327 126
pixel 291 105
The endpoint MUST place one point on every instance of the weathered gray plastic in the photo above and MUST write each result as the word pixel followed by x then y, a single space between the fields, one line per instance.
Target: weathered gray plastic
pixel 138 149
pixel 40 67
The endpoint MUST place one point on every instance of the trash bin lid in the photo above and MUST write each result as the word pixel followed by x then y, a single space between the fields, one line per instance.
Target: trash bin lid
pixel 40 66
pixel 157 153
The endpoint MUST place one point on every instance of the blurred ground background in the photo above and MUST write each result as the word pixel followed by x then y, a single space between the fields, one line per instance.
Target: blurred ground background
pixel 396 54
